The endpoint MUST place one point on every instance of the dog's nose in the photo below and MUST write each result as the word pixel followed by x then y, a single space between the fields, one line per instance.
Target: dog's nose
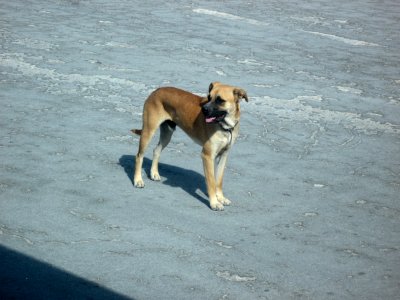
pixel 205 109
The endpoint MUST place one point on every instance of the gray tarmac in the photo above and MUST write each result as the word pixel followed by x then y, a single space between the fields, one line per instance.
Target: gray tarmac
pixel 314 176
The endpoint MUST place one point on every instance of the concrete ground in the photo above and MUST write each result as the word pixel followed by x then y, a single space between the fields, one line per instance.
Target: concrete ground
pixel 314 175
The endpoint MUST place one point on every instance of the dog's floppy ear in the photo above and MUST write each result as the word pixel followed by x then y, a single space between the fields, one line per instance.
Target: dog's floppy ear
pixel 212 85
pixel 241 94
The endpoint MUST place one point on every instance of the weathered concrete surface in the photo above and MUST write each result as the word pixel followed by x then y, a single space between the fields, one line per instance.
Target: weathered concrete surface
pixel 314 176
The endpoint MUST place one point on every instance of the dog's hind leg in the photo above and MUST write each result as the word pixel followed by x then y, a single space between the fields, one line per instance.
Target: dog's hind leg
pixel 149 128
pixel 167 128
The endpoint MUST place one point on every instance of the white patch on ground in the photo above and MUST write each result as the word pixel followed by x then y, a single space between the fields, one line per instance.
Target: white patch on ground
pixel 261 85
pixel 27 69
pixel 235 277
pixel 317 98
pixel 227 16
pixel 106 22
pixel 250 62
pixel 120 45
pixel 223 245
pixel 296 109
pixel 348 89
pixel 118 138
pixel 342 39
pixel 319 185
pixel 220 72
pixel 310 214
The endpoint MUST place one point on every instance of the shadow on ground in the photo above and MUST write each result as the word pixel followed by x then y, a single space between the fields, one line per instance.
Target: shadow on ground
pixel 23 277
pixel 188 180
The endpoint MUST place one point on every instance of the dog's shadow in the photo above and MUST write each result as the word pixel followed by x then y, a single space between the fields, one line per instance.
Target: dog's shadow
pixel 190 181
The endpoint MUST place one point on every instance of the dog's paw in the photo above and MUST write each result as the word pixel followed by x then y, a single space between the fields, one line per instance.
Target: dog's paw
pixel 216 206
pixel 155 176
pixel 139 183
pixel 224 201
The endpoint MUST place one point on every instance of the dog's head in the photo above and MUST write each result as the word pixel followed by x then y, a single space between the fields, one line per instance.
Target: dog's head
pixel 223 104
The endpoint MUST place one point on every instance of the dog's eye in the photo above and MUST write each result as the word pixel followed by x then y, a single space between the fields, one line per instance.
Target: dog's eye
pixel 209 97
pixel 219 100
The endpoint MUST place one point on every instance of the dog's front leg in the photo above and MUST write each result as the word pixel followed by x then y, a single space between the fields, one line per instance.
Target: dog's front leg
pixel 208 164
pixel 220 176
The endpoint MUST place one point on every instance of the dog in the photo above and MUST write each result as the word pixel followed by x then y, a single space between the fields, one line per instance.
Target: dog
pixel 212 122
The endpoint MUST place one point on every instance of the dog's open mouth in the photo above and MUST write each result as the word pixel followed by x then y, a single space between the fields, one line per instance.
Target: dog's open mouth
pixel 216 117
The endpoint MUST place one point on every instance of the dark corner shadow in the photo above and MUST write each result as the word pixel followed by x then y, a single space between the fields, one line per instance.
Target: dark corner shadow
pixel 190 181
pixel 23 277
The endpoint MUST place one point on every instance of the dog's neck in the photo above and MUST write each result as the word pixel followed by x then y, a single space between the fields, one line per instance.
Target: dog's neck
pixel 227 127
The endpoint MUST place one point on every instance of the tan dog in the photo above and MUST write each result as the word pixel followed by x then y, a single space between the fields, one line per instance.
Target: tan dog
pixel 212 122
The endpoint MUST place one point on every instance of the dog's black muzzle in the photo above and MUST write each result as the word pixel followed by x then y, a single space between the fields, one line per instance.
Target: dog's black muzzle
pixel 212 115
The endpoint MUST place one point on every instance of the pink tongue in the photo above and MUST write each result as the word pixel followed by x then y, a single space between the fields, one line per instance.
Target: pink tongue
pixel 210 120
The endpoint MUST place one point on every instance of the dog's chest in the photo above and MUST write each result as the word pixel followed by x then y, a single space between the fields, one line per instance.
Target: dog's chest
pixel 223 140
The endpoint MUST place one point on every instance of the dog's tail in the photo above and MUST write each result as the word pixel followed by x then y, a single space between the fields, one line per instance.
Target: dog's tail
pixel 137 131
